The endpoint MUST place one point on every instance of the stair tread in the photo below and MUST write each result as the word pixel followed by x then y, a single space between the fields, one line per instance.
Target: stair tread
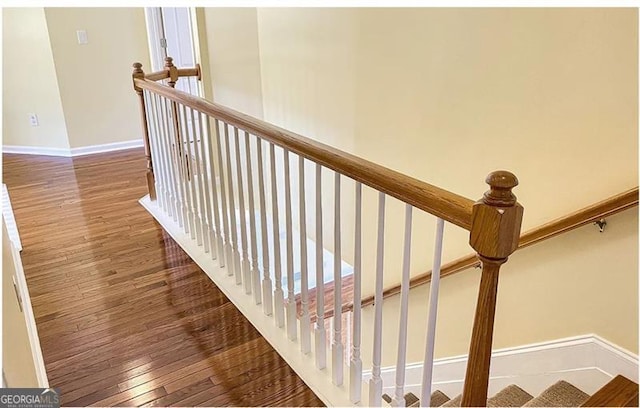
pixel 438 398
pixel 510 396
pixel 560 394
pixel 454 402
pixel 410 399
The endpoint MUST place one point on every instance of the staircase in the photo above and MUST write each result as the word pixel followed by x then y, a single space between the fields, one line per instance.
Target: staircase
pixel 619 392
pixel 244 199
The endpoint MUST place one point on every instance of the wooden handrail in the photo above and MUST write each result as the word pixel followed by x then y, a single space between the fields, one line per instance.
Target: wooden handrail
pixel 182 72
pixel 449 206
pixel 584 216
pixel 619 392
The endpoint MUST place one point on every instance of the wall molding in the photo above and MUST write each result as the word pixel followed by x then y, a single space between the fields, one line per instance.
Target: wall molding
pixel 73 152
pixel 44 151
pixel 587 361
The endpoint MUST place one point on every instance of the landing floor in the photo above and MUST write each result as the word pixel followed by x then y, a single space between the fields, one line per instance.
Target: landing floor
pixel 124 316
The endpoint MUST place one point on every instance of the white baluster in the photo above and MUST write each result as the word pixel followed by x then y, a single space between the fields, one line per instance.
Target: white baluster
pixel 171 172
pixel 194 226
pixel 176 158
pixel 305 321
pixel 246 267
pixel 398 399
pixel 292 321
pixel 375 383
pixel 163 147
pixel 151 112
pixel 320 330
pixel 427 367
pixel 337 348
pixel 188 171
pixel 233 226
pixel 197 181
pixel 180 163
pixel 267 296
pixel 253 236
pixel 278 294
pixel 226 256
pixel 211 200
pixel 355 377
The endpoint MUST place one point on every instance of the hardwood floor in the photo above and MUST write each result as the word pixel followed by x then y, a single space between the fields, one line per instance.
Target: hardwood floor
pixel 124 316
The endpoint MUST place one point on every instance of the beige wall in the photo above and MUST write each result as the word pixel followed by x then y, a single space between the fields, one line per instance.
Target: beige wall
pixel 234 63
pixel 99 103
pixel 448 95
pixel 29 82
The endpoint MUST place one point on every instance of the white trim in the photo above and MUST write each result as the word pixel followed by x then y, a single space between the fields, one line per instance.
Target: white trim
pixel 108 147
pixel 304 364
pixel 44 151
pixel 32 330
pixel 586 361
pixel 10 219
pixel 76 151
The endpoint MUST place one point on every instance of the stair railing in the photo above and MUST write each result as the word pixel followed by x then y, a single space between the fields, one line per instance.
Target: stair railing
pixel 209 168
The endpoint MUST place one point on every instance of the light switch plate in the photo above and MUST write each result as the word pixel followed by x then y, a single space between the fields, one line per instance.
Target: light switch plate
pixel 33 119
pixel 82 37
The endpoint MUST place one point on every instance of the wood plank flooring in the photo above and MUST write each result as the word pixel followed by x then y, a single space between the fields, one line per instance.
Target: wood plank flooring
pixel 125 317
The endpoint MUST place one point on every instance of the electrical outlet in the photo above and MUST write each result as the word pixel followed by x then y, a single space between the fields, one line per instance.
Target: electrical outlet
pixel 33 119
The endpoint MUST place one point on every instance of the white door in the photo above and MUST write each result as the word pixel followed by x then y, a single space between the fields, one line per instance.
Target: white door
pixel 171 33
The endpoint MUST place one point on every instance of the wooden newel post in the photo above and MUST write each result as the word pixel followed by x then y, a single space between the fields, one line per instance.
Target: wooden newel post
pixel 151 185
pixel 495 232
pixel 181 152
pixel 173 71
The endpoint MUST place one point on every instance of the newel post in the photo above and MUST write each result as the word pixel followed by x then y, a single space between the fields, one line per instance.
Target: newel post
pixel 495 232
pixel 138 73
pixel 175 114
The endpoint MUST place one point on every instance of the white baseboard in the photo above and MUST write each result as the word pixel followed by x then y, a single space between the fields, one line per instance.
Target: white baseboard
pixel 44 151
pixel 73 152
pixel 586 361
pixel 109 147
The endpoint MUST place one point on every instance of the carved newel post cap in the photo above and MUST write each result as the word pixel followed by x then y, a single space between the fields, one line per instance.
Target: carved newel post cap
pixel 168 62
pixel 501 183
pixel 137 68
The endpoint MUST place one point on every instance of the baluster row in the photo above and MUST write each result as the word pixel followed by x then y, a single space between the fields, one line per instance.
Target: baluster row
pixel 205 182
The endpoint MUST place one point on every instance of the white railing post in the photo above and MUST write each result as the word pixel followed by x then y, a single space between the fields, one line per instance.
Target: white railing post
pixel 150 110
pixel 233 226
pixel 185 159
pixel 244 254
pixel 292 320
pixel 267 296
pixel 398 399
pixel 278 294
pixel 210 190
pixel 198 180
pixel 337 348
pixel 320 330
pixel 427 367
pixel 305 323
pixel 355 366
pixel 226 258
pixel 253 236
pixel 375 383
pixel 171 203
pixel 180 170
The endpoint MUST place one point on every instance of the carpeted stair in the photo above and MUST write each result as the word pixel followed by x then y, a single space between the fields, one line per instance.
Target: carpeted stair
pixel 560 394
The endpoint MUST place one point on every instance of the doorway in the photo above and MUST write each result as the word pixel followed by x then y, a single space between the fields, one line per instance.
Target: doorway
pixel 172 32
